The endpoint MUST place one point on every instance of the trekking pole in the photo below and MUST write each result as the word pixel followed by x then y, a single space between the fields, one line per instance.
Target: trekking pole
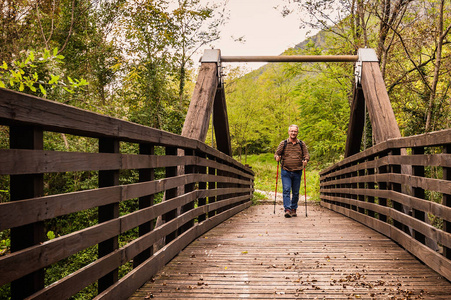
pixel 305 189
pixel 275 193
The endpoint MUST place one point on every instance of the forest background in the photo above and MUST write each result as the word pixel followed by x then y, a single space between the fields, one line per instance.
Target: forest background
pixel 134 60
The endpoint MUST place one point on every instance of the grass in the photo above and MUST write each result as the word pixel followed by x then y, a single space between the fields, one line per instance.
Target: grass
pixel 265 168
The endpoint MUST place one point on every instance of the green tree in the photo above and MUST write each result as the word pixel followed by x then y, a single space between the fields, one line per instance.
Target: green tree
pixel 325 113
pixel 148 39
pixel 411 40
pixel 196 25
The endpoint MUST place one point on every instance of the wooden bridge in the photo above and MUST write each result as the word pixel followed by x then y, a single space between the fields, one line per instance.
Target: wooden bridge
pixel 400 189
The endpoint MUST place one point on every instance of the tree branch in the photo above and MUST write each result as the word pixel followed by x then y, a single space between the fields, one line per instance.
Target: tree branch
pixel 70 29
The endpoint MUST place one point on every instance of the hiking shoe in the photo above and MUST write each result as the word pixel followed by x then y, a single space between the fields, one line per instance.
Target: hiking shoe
pixel 293 213
pixel 287 213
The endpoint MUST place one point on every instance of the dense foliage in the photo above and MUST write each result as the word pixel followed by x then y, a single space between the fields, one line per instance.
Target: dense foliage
pixel 262 105
pixel 412 41
pixel 127 59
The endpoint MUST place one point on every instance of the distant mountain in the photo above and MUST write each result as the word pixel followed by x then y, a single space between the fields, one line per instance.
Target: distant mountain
pixel 318 39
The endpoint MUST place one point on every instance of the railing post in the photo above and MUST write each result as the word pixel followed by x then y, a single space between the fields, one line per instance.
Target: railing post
pixel 371 185
pixel 25 187
pixel 202 186
pixel 171 193
pixel 221 185
pixel 145 175
pixel 382 185
pixel 251 194
pixel 361 185
pixel 354 186
pixel 396 169
pixel 109 211
pixel 189 169
pixel 447 200
pixel 418 193
pixel 211 186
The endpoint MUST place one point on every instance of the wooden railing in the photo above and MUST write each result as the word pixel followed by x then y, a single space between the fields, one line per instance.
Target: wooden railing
pixel 202 187
pixel 401 188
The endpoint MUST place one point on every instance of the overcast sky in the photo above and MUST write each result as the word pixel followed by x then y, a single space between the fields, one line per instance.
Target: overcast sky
pixel 263 28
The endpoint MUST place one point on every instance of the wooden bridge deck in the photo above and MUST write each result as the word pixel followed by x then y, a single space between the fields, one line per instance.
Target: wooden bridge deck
pixel 259 255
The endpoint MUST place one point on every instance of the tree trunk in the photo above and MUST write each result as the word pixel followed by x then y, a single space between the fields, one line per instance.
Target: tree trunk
pixel 438 59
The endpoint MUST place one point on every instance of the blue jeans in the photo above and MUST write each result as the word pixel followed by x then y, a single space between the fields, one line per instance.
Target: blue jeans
pixel 291 182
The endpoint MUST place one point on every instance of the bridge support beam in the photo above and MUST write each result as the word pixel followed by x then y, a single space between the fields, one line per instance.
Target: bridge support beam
pixel 356 123
pixel 370 90
pixel 221 123
pixel 208 97
pixel 375 96
pixel 201 106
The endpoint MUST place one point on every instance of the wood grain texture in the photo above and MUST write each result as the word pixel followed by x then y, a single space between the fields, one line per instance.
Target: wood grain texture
pixel 259 255
pixel 201 106
pixel 382 117
pixel 431 139
pixel 21 109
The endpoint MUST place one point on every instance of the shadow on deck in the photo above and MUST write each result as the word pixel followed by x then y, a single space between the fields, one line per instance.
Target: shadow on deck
pixel 260 255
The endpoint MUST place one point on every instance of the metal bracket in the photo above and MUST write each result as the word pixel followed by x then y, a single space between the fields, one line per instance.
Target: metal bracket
pixel 365 55
pixel 214 56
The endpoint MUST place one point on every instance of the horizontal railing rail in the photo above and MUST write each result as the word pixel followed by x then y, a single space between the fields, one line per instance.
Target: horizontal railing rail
pixel 199 187
pixel 401 188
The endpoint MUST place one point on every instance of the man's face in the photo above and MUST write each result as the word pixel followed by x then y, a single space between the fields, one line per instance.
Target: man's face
pixel 293 132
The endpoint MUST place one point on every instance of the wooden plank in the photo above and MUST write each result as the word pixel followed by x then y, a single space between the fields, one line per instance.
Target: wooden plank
pixel 446 201
pixel 382 118
pixel 22 212
pixel 431 184
pixel 53 116
pixel 108 212
pixel 198 117
pixel 211 186
pixel 71 284
pixel 136 190
pixel 429 139
pixel 429 256
pixel 137 218
pixel 210 163
pixel 17 108
pixel 429 231
pixel 18 213
pixel 16 265
pixel 431 207
pixel 140 275
pixel 259 255
pixel 19 264
pixel 170 193
pixel 33 161
pixel 439 160
pixel 221 123
pixel 23 187
pixel 437 138
pixel 145 175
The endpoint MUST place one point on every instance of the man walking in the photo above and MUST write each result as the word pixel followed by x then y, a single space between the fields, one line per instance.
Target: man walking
pixel 294 157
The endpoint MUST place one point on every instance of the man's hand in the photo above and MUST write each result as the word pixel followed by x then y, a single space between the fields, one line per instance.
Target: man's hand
pixel 304 163
pixel 277 158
